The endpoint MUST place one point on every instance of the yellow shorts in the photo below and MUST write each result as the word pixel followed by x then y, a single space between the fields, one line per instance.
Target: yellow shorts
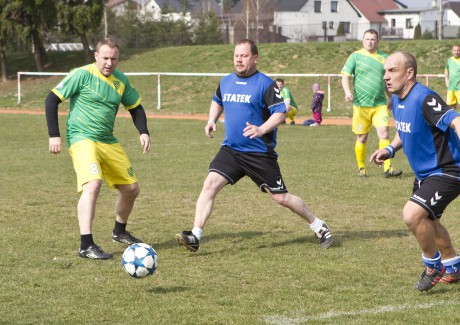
pixel 453 97
pixel 365 117
pixel 96 161
pixel 292 113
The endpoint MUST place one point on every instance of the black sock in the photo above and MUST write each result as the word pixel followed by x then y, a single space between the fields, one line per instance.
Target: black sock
pixel 120 228
pixel 86 241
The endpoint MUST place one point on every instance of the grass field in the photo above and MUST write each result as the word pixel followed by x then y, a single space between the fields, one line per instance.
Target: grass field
pixel 258 263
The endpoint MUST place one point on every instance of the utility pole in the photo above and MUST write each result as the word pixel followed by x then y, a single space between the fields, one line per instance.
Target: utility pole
pixel 106 33
pixel 247 19
pixel 440 21
pixel 438 3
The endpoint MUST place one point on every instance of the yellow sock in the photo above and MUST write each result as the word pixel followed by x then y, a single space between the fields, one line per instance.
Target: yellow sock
pixel 383 144
pixel 360 152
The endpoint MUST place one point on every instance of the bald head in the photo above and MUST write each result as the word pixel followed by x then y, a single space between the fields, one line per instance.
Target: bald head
pixel 400 73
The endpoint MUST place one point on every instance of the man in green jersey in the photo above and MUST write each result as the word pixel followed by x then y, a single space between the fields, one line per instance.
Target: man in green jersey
pixel 96 91
pixel 291 105
pixel 452 77
pixel 369 99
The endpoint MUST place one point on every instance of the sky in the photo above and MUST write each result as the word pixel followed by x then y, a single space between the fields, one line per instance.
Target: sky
pixel 419 3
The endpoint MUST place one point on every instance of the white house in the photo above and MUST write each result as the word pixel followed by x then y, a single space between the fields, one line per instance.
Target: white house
pixel 302 20
pixel 402 22
pixel 150 9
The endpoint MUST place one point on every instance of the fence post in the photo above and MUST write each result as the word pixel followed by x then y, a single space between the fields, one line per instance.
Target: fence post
pixel 159 92
pixel 19 88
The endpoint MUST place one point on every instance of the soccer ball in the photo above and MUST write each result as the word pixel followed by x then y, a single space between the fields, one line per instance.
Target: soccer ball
pixel 139 260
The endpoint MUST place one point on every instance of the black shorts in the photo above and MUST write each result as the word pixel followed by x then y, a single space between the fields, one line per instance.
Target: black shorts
pixel 262 168
pixel 435 193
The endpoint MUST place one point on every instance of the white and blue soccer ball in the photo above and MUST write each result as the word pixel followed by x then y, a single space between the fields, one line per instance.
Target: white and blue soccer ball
pixel 139 260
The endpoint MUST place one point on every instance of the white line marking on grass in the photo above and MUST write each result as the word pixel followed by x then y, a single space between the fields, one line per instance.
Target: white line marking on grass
pixel 282 320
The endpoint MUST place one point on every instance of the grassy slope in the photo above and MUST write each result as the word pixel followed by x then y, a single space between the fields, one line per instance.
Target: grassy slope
pixel 192 94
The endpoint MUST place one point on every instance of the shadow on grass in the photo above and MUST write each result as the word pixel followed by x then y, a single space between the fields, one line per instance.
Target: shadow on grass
pixel 211 237
pixel 371 234
pixel 339 237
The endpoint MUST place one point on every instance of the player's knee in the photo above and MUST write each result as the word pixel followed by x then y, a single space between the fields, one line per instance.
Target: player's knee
pixel 129 190
pixel 280 198
pixel 92 186
pixel 212 185
pixel 411 215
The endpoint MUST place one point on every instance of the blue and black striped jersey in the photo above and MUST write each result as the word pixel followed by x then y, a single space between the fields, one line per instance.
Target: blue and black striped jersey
pixel 422 121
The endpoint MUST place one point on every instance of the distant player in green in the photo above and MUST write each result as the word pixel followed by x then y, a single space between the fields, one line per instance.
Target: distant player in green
pixel 291 105
pixel 369 99
pixel 452 77
pixel 96 92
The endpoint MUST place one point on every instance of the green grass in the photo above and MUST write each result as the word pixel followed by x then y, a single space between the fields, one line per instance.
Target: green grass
pixel 193 94
pixel 258 262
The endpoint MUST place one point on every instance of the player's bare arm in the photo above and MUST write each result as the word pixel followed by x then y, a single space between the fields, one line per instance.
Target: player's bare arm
pixel 446 78
pixel 214 113
pixel 346 88
pixel 253 131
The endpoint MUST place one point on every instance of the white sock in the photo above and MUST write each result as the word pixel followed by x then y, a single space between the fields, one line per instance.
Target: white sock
pixel 316 225
pixel 197 232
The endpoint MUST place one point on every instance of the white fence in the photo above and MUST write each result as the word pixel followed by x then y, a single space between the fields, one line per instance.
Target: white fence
pixel 185 74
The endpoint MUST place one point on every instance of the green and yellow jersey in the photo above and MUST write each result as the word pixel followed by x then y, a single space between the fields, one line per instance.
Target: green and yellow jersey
pixel 94 102
pixel 368 85
pixel 286 94
pixel 453 68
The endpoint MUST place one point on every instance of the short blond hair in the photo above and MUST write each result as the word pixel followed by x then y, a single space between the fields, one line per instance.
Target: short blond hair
pixel 110 42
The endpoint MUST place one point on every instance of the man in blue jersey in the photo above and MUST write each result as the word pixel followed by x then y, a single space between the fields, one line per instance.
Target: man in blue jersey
pixel 253 109
pixel 428 130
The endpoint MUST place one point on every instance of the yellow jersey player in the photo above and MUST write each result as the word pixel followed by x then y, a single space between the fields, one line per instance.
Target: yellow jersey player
pixel 291 105
pixel 452 77
pixel 369 99
pixel 96 91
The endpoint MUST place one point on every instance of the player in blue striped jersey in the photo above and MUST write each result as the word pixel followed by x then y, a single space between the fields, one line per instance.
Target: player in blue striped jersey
pixel 428 130
pixel 253 109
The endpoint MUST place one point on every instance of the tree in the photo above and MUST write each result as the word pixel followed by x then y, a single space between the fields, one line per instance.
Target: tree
pixel 3 40
pixel 31 19
pixel 80 16
pixel 427 34
pixel 341 30
pixel 208 31
pixel 256 14
pixel 418 32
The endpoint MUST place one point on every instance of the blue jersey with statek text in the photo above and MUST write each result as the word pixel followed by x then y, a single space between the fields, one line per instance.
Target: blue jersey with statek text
pixel 250 99
pixel 422 121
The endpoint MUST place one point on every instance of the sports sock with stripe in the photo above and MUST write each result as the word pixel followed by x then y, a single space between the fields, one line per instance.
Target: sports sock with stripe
pixel 316 225
pixel 452 264
pixel 433 262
